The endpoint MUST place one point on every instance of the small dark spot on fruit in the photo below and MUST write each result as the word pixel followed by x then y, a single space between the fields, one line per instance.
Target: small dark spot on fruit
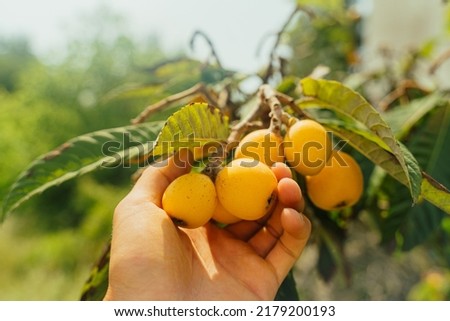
pixel 179 222
pixel 340 205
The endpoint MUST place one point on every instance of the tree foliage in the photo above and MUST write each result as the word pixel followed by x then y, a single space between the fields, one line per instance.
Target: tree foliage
pixel 400 140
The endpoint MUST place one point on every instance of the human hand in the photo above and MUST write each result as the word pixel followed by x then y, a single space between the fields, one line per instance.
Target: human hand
pixel 153 259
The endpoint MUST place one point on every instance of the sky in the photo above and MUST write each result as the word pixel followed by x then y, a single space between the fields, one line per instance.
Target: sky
pixel 235 26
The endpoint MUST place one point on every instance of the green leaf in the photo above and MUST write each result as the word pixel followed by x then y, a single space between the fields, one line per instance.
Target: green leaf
pixel 405 225
pixel 288 85
pixel 194 125
pixel 329 5
pixel 430 143
pixel 326 265
pixel 95 287
pixel 351 105
pixel 436 193
pixel 288 289
pixel 197 122
pixel 369 145
pixel 332 259
pixel 403 118
pixel 78 156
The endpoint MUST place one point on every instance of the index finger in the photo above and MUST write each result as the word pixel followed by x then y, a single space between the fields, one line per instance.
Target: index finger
pixel 155 179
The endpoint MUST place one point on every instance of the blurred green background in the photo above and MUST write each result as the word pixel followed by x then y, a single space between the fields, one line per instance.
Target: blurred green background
pixel 48 246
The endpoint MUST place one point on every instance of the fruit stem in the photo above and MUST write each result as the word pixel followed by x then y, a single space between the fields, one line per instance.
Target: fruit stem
pixel 268 96
pixel 289 101
pixel 287 119
pixel 238 130
pixel 198 89
pixel 270 104
pixel 215 163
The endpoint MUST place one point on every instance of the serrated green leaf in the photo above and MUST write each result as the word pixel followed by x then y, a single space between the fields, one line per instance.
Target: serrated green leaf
pixel 335 96
pixel 78 156
pixel 369 147
pixel 368 144
pixel 193 125
pixel 109 148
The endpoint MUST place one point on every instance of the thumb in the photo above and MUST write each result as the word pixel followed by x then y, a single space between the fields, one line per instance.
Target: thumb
pixel 155 179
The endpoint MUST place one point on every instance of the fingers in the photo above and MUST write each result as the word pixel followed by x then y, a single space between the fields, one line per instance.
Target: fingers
pixel 244 230
pixel 266 237
pixel 281 170
pixel 289 196
pixel 296 231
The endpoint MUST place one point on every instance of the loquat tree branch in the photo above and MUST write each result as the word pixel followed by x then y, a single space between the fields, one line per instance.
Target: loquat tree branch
pixel 400 92
pixel 198 89
pixel 268 96
pixel 443 57
pixel 268 109
pixel 289 101
pixel 213 52
pixel 249 121
pixel 278 35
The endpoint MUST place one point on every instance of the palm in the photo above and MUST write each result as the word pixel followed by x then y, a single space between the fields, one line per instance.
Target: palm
pixel 224 267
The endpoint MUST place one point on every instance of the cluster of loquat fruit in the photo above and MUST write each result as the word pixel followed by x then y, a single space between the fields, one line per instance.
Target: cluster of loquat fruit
pixel 245 188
